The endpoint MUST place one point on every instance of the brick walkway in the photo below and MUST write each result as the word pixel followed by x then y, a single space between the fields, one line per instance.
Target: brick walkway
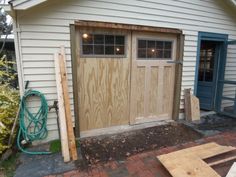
pixel 146 164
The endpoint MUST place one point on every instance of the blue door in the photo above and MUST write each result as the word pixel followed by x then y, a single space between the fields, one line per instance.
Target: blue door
pixel 207 73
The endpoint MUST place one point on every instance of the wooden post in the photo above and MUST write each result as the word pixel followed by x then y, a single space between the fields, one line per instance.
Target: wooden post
pixel 74 62
pixel 62 119
pixel 178 77
pixel 65 90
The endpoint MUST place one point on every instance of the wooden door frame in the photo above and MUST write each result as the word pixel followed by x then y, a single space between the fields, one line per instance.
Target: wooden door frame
pixel 106 25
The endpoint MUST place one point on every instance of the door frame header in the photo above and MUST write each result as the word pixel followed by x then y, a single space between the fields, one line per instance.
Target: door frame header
pixel 95 24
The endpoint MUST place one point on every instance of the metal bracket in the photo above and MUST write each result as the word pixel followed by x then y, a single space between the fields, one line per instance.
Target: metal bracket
pixel 175 62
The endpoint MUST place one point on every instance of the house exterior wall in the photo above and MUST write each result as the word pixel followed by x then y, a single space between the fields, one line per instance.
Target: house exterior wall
pixel 44 28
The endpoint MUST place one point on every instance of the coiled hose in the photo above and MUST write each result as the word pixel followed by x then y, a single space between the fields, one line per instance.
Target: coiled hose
pixel 32 126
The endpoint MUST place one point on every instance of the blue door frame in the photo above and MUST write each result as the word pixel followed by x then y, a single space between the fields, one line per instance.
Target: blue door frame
pixel 222 81
pixel 222 40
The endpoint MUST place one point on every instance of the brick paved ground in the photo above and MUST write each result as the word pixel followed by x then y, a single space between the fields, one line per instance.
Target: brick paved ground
pixel 146 164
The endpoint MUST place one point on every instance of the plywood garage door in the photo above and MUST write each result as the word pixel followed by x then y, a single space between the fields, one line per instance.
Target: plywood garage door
pixel 128 88
pixel 104 84
pixel 152 76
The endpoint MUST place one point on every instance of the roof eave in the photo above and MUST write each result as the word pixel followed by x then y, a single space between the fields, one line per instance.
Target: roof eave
pixel 25 4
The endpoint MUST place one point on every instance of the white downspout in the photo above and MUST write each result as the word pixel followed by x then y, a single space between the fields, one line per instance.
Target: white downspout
pixel 17 43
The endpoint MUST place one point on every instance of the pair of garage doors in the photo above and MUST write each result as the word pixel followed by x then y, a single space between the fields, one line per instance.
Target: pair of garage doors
pixel 124 77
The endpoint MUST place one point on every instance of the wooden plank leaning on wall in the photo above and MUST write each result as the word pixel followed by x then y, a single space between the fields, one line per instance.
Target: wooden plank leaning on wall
pixel 62 118
pixel 70 131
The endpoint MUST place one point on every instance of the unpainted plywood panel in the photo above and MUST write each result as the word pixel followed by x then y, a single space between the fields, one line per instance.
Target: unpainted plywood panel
pixel 104 85
pixel 189 162
pixel 104 92
pixel 168 90
pixel 154 85
pixel 139 91
pixel 153 91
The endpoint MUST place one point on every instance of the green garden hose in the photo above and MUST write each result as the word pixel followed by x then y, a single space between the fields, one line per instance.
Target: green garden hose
pixel 33 126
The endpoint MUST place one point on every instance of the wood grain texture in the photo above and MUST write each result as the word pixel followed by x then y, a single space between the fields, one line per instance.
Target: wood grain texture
pixel 192 108
pixel 74 61
pixel 152 83
pixel 70 131
pixel 189 162
pixel 178 77
pixel 153 90
pixel 109 25
pixel 62 118
pixel 104 87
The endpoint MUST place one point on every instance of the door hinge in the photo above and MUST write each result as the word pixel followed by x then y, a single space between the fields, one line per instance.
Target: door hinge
pixel 175 62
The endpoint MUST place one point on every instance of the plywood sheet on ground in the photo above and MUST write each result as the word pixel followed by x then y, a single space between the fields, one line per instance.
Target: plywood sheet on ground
pixel 189 162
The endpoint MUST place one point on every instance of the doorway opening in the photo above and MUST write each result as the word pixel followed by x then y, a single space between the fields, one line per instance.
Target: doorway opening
pixel 209 61
pixel 207 74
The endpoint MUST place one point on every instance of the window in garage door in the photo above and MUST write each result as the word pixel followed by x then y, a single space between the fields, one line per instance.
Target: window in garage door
pixel 124 77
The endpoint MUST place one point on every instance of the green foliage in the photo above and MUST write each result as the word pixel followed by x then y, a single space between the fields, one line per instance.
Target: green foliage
pixel 8 166
pixel 55 146
pixel 9 102
pixel 7 73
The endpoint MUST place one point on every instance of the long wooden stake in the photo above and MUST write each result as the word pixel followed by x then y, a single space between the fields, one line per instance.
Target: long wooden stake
pixel 62 119
pixel 71 136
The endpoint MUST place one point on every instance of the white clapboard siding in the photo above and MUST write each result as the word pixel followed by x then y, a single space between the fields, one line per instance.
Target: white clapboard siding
pixel 46 27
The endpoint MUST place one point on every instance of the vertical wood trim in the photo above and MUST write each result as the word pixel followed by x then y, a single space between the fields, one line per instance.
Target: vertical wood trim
pixel 62 119
pixel 74 63
pixel 133 108
pixel 146 91
pixel 160 92
pixel 70 132
pixel 178 77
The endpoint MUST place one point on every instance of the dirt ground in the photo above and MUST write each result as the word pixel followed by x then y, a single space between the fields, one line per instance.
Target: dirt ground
pixel 120 146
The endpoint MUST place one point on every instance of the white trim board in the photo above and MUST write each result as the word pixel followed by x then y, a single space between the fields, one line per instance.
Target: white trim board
pixel 232 171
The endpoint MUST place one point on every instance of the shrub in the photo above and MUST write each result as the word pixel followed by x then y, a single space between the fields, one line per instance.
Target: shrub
pixel 9 102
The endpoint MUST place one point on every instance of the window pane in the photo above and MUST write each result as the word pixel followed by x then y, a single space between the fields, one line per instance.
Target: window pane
pixel 119 50
pixel 142 44
pixel 98 39
pixel 168 45
pixel 209 75
pixel 109 50
pixel 99 49
pixel 109 39
pixel 87 38
pixel 151 44
pixel 159 53
pixel 159 45
pixel 120 40
pixel 167 54
pixel 87 49
pixel 201 75
pixel 142 53
pixel 151 53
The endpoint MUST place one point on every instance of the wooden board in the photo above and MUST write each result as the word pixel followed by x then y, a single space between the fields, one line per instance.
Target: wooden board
pixel 189 167
pixel 178 77
pixel 191 106
pixel 62 118
pixel 232 171
pixel 152 83
pixel 104 87
pixel 189 162
pixel 195 108
pixel 70 131
pixel 106 25
pixel 187 102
